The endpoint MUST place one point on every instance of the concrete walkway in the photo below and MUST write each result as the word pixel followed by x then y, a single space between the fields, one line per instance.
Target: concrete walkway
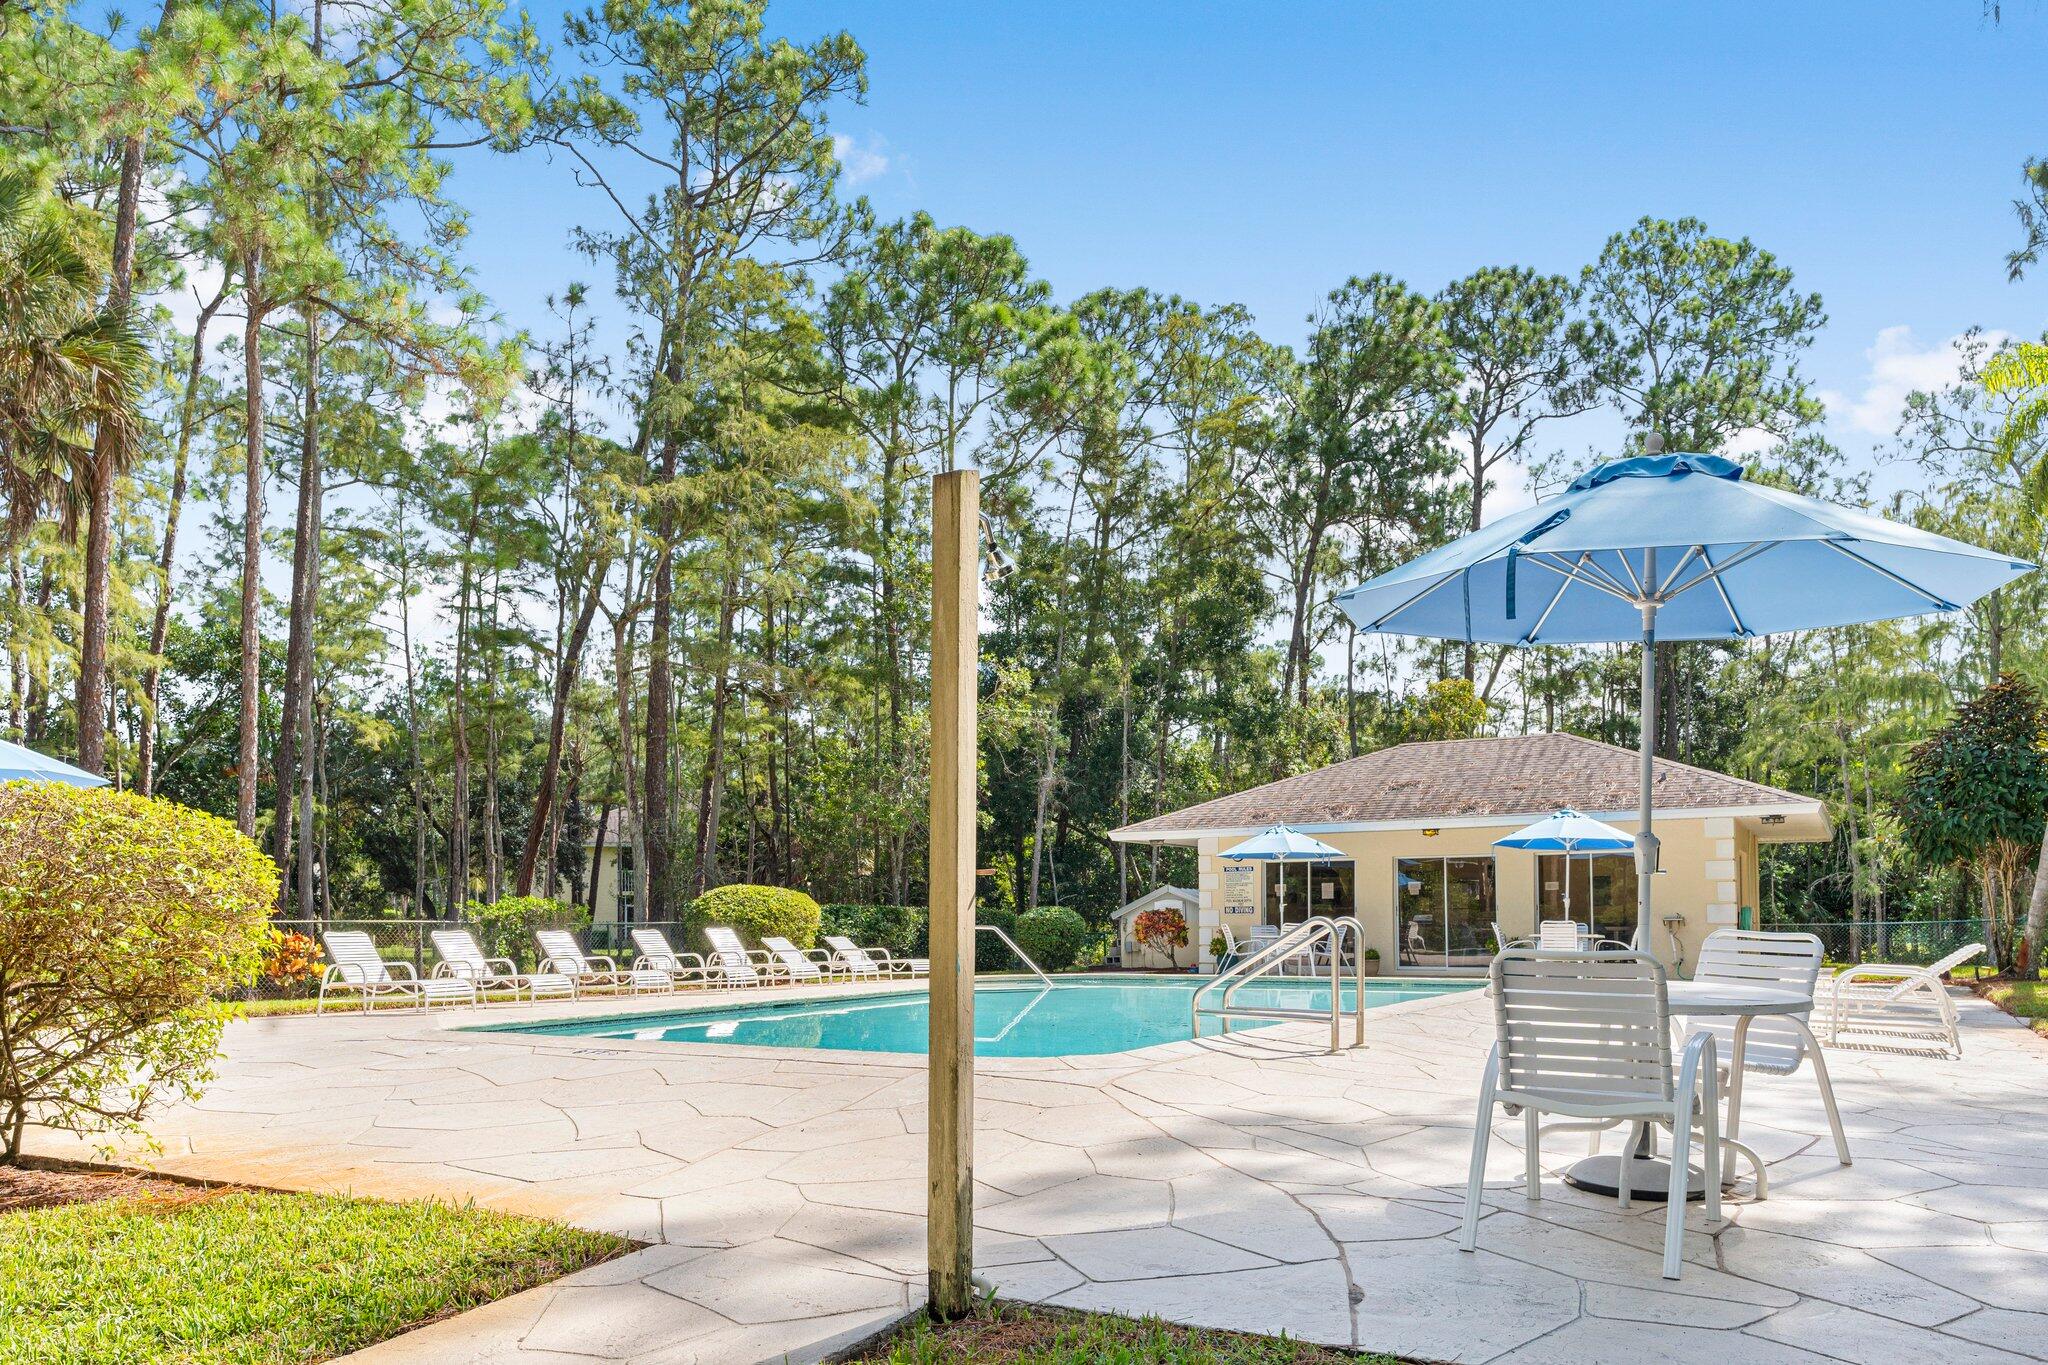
pixel 1250 1183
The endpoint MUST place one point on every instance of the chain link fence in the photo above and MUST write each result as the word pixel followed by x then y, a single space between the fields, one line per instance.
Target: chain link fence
pixel 1912 943
pixel 295 962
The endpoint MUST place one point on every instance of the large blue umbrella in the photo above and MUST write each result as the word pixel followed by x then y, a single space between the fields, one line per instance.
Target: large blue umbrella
pixel 18 764
pixel 1568 832
pixel 1680 547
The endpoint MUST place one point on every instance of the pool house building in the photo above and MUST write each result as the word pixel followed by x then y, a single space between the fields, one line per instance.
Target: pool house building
pixel 1417 823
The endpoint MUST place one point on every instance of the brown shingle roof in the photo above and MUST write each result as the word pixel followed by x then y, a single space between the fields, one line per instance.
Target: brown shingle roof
pixel 1447 779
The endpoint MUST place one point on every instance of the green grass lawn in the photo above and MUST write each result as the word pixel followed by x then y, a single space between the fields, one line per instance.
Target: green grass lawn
pixel 2026 1001
pixel 242 1278
pixel 1017 1334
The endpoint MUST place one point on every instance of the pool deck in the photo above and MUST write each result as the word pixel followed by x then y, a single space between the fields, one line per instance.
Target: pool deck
pixel 1253 1183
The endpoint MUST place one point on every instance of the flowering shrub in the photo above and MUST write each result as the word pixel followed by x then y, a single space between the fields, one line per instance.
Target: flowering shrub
pixel 1161 929
pixel 290 958
pixel 122 919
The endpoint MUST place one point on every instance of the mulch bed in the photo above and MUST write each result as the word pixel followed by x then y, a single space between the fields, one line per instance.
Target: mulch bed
pixel 1052 1336
pixel 40 1184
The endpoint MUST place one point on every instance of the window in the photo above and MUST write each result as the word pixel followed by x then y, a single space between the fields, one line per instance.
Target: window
pixel 1312 889
pixel 1603 887
pixel 1446 911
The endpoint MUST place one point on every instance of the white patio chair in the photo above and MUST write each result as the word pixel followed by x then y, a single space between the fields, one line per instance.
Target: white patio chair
pixel 1560 936
pixel 1588 1036
pixel 1888 1004
pixel 729 963
pixel 354 964
pixel 1773 1044
pixel 561 953
pixel 794 963
pixel 874 962
pixel 655 955
pixel 463 960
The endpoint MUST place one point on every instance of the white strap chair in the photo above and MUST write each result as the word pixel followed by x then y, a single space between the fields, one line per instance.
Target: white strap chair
pixel 1588 1036
pixel 729 961
pixel 354 964
pixel 462 959
pixel 1883 1004
pixel 793 962
pixel 561 953
pixel 1772 1044
pixel 655 955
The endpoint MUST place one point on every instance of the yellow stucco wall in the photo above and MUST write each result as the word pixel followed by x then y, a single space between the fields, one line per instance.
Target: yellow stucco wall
pixel 1710 869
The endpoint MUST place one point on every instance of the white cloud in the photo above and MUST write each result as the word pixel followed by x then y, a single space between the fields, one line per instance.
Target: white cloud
pixel 859 164
pixel 1899 365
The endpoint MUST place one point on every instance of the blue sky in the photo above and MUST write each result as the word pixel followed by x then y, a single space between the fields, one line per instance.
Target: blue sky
pixel 1261 154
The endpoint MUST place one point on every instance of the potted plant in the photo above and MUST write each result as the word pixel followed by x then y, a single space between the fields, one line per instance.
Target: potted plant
pixel 1369 964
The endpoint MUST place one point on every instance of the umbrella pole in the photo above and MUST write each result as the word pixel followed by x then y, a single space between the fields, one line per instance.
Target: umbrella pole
pixel 1646 839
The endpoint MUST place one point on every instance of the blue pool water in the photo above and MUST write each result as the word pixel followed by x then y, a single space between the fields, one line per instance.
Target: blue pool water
pixel 1077 1016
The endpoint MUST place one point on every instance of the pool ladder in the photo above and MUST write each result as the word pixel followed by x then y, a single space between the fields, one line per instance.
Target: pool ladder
pixel 1301 941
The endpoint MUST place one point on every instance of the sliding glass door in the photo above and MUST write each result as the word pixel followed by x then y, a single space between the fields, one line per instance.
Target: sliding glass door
pixel 1603 892
pixel 1312 889
pixel 1445 908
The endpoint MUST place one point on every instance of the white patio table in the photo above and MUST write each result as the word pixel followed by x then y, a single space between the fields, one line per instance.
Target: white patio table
pixel 1649 1177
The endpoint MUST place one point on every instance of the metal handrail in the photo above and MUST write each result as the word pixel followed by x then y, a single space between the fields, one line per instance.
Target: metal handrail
pixel 1300 940
pixel 1022 956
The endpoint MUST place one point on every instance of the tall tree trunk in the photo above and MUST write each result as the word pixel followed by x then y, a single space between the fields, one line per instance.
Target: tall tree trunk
pixel 704 872
pixel 566 670
pixel 658 869
pixel 420 877
pixel 252 545
pixel 160 623
pixel 109 452
pixel 494 833
pixel 604 818
pixel 296 730
pixel 2037 915
pixel 458 809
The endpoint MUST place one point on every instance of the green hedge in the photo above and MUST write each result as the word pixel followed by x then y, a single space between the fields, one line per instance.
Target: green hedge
pixel 905 930
pixel 504 927
pixel 752 911
pixel 1053 935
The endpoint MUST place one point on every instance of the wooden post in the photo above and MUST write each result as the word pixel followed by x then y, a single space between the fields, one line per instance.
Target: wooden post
pixel 956 627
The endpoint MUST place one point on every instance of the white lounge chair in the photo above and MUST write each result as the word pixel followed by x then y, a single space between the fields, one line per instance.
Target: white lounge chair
pixel 729 963
pixel 794 963
pixel 561 953
pixel 1588 1036
pixel 1773 1044
pixel 874 962
pixel 655 955
pixel 463 960
pixel 1884 1004
pixel 354 964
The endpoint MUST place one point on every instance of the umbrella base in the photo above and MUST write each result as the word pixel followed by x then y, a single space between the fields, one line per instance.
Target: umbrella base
pixel 1649 1178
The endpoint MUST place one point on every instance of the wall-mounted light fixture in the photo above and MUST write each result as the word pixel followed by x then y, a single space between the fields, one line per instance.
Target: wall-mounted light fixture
pixel 1429 834
pixel 996 564
pixel 1774 819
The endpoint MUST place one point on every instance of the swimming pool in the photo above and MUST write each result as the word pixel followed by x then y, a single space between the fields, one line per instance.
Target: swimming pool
pixel 1075 1017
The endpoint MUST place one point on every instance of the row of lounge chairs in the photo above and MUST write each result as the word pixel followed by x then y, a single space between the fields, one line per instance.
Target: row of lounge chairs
pixel 466 976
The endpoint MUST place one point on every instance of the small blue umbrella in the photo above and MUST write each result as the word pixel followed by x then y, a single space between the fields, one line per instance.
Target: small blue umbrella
pixel 1568 832
pixel 1279 844
pixel 26 765
pixel 1679 547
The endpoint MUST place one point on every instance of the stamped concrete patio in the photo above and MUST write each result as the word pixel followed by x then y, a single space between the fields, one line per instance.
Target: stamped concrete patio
pixel 1249 1183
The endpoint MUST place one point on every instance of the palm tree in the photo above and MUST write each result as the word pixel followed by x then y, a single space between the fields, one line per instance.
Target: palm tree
pixel 70 374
